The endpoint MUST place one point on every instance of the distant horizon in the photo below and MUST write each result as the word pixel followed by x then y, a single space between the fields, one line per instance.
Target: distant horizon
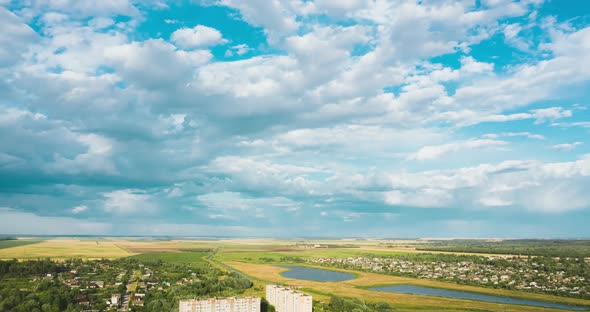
pixel 293 237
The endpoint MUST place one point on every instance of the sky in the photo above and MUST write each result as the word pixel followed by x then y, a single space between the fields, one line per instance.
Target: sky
pixel 295 118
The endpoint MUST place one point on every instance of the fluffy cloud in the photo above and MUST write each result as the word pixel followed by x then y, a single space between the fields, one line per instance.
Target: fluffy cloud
pixel 95 160
pixel 534 186
pixel 250 174
pixel 352 137
pixel 340 8
pixel 155 63
pixel 15 38
pixel 196 37
pixel 239 49
pixel 128 202
pixel 437 151
pixel 532 82
pixel 87 8
pixel 514 134
pixel 469 118
pixel 277 17
pixel 79 209
pixel 230 205
pixel 566 146
pixel 46 145
pixel 255 86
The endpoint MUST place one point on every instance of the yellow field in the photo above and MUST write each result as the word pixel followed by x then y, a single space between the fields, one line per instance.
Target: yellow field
pixel 65 249
pixel 403 302
pixel 148 246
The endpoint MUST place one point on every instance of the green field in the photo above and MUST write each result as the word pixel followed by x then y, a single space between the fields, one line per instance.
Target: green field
pixel 17 243
pixel 290 256
pixel 173 257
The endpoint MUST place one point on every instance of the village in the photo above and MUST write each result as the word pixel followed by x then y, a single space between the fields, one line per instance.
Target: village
pixel 105 285
pixel 98 290
pixel 564 277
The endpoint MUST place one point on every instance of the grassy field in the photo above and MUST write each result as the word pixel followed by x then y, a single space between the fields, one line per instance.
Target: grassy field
pixel 262 255
pixel 66 249
pixel 403 302
pixel 16 243
pixel 174 257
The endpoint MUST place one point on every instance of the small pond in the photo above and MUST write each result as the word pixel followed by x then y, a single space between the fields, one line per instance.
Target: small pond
pixel 311 274
pixel 429 291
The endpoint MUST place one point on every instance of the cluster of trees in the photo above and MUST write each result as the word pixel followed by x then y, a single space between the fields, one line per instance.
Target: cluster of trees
pixel 339 304
pixel 14 268
pixel 285 259
pixel 5 238
pixel 532 247
pixel 47 296
pixel 265 306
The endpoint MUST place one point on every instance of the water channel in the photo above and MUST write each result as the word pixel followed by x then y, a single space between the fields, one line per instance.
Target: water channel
pixel 438 292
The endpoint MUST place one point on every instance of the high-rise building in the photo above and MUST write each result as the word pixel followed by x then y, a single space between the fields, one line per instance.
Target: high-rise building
pixel 288 300
pixel 231 304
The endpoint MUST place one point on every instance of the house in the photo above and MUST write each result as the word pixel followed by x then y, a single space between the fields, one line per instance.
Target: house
pixel 97 284
pixel 83 300
pixel 115 299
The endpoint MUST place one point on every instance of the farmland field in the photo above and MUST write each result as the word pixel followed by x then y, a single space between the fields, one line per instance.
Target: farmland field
pixel 174 257
pixel 65 249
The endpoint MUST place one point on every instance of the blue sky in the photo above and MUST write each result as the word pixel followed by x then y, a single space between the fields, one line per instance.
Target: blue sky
pixel 447 118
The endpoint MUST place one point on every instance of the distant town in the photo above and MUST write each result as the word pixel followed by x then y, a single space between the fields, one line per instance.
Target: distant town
pixel 561 276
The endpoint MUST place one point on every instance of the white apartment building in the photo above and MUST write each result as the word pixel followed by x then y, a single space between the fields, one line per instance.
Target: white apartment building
pixel 288 300
pixel 231 304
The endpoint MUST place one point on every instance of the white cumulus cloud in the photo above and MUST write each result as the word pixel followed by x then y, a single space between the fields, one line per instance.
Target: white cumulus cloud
pixel 197 37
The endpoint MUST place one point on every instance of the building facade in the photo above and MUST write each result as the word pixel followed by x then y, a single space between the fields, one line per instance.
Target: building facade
pixel 288 300
pixel 232 304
